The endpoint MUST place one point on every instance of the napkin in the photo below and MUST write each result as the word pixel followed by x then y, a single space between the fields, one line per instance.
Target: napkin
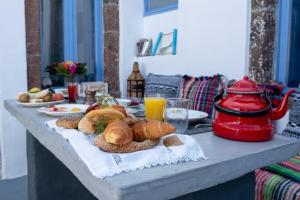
pixel 102 164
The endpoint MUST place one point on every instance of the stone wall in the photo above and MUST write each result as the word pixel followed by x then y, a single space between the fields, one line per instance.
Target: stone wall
pixel 33 51
pixel 262 40
pixel 111 45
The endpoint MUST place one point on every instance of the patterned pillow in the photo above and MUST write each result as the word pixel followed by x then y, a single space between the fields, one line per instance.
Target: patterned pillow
pixel 168 85
pixel 274 92
pixel 201 91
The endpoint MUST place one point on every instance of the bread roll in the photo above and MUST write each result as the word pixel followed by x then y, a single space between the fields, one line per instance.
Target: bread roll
pixel 132 121
pixel 171 141
pixel 107 115
pixel 152 129
pixel 119 108
pixel 86 126
pixel 70 121
pixel 118 132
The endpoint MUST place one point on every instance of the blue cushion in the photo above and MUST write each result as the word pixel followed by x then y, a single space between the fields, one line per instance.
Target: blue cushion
pixel 167 85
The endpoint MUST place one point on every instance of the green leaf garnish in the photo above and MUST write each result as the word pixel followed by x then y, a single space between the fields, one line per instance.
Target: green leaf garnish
pixel 100 127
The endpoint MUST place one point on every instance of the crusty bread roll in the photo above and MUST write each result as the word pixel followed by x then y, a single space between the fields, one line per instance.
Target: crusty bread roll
pixel 132 121
pixel 107 115
pixel 152 129
pixel 130 115
pixel 172 140
pixel 118 132
pixel 70 121
pixel 119 108
pixel 86 126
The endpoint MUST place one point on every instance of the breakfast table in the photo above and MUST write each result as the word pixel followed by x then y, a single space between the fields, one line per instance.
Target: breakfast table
pixel 56 172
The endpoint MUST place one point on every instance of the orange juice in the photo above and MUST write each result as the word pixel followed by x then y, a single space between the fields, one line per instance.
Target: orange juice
pixel 154 107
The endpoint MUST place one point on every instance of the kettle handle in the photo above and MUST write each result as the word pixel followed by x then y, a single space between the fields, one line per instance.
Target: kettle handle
pixel 240 113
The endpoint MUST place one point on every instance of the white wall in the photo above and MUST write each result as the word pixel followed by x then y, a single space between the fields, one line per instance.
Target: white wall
pixel 12 80
pixel 131 22
pixel 213 37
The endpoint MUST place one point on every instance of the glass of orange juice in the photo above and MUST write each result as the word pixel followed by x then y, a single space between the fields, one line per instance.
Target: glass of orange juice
pixel 154 106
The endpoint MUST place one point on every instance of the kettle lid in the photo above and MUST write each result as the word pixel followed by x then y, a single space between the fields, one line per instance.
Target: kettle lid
pixel 246 85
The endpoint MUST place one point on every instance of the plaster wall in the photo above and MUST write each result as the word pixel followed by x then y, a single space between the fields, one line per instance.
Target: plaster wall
pixel 13 79
pixel 131 23
pixel 213 37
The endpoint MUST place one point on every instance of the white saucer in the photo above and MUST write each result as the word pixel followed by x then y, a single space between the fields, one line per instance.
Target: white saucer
pixel 195 115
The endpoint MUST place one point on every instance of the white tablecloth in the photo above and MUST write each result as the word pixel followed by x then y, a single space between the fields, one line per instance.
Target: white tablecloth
pixel 102 164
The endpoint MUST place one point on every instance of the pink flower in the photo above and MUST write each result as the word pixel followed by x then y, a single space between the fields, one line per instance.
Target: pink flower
pixel 73 69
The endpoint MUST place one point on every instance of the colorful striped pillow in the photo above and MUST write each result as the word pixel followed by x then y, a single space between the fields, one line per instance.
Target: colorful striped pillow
pixel 201 91
pixel 271 186
pixel 289 168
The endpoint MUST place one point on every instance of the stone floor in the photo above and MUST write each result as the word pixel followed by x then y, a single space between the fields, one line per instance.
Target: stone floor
pixel 14 189
pixel 0 164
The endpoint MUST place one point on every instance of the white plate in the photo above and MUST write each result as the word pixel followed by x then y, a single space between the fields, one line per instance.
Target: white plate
pixel 135 107
pixel 195 115
pixel 63 91
pixel 138 110
pixel 40 104
pixel 46 111
pixel 131 110
pixel 123 102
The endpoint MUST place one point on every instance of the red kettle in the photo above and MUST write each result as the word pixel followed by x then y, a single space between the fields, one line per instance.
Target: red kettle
pixel 245 113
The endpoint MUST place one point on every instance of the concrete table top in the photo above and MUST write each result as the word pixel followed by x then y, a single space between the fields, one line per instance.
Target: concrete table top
pixel 227 160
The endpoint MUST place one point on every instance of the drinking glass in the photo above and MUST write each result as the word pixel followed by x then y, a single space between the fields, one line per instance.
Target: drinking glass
pixel 73 92
pixel 154 106
pixel 81 94
pixel 176 113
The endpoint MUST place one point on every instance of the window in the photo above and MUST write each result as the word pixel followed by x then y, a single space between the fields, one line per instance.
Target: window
pixel 294 61
pixel 52 40
pixel 86 36
pixel 152 7
pixel 72 30
pixel 288 61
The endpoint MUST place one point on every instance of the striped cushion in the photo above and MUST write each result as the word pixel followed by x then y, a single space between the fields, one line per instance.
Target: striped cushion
pixel 201 91
pixel 289 169
pixel 271 186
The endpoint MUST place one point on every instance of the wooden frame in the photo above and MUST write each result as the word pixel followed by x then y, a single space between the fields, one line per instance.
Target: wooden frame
pixel 283 41
pixel 148 11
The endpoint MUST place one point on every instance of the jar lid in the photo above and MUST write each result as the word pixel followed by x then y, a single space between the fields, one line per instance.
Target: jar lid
pixel 246 85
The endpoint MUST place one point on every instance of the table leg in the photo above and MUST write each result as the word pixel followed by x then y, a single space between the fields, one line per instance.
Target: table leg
pixel 237 189
pixel 48 178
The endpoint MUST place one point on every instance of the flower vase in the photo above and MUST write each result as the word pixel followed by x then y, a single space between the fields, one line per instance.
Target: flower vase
pixel 72 91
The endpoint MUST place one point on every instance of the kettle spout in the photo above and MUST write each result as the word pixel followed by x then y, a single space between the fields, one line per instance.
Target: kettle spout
pixel 280 111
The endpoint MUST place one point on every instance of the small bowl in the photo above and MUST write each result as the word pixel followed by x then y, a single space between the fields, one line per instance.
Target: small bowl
pixel 123 102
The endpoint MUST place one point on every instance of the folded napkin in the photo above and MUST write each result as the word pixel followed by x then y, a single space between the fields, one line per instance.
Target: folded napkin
pixel 291 130
pixel 102 164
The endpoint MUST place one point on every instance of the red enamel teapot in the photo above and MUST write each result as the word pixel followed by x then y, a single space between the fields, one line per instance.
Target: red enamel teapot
pixel 245 113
